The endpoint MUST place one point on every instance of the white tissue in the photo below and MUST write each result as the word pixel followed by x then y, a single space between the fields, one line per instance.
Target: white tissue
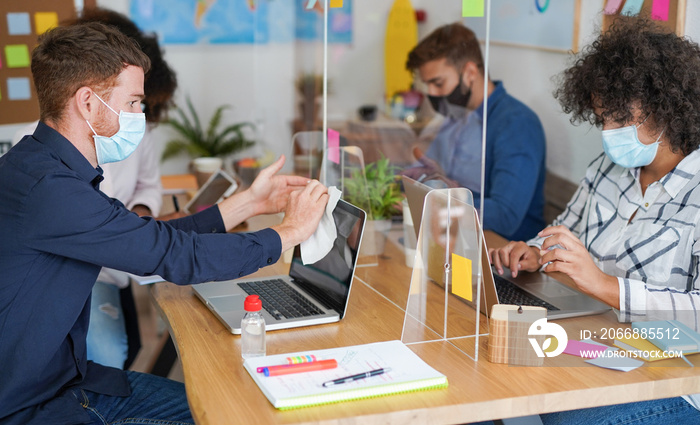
pixel 321 242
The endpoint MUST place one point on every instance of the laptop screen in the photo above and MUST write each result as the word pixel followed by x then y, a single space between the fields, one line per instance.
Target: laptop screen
pixel 328 280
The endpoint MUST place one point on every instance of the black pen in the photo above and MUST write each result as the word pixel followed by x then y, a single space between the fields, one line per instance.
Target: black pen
pixel 357 377
pixel 176 204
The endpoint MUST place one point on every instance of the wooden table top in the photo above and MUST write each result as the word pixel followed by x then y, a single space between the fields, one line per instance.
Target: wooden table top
pixel 220 391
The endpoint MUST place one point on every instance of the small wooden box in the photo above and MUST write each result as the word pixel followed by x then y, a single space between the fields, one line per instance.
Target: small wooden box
pixel 508 336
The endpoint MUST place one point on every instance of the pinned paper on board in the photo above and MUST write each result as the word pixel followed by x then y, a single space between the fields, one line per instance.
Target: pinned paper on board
pixel 462 277
pixel 472 8
pixel 632 7
pixel 612 7
pixel 44 21
pixel 17 56
pixel 18 89
pixel 659 10
pixel 333 146
pixel 18 24
pixel 336 3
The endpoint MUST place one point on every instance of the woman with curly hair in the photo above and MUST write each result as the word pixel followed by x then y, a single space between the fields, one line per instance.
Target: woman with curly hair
pixel 630 236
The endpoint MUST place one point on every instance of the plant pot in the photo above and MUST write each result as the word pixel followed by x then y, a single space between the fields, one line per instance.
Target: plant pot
pixel 204 167
pixel 374 237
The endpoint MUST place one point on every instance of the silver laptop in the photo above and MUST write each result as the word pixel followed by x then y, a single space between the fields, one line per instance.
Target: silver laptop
pixel 311 294
pixel 538 288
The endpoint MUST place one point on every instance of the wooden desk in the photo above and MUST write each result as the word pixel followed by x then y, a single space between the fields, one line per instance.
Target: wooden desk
pixel 220 391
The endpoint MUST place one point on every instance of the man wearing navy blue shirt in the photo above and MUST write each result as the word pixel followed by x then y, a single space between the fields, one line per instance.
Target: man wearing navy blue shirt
pixel 449 62
pixel 59 230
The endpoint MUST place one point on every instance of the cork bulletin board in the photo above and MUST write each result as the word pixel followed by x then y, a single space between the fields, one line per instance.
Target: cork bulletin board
pixel 667 13
pixel 21 23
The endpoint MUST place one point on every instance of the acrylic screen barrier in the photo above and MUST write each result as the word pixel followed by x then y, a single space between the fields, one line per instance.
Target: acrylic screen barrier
pixel 445 296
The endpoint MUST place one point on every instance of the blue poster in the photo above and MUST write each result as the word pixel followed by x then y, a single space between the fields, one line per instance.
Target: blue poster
pixel 309 25
pixel 239 21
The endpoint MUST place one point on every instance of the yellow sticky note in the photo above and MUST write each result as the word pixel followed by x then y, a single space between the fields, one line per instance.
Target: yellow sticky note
pixel 336 3
pixel 462 276
pixel 44 21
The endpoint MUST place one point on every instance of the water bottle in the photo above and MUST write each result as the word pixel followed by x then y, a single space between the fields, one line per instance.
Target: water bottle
pixel 252 328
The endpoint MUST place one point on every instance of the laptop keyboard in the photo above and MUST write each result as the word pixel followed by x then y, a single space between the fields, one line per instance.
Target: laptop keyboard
pixel 280 299
pixel 508 293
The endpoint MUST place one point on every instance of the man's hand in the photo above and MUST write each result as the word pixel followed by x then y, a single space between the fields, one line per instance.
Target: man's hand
pixel 270 192
pixel 303 213
pixel 428 170
pixel 516 256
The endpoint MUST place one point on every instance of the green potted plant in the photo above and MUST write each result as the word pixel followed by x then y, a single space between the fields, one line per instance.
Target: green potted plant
pixel 210 142
pixel 376 190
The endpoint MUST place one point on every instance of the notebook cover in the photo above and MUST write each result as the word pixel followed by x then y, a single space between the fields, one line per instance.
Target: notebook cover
pixel 669 335
pixel 408 373
pixel 642 348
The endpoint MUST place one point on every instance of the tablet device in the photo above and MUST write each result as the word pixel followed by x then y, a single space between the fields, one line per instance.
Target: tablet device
pixel 219 186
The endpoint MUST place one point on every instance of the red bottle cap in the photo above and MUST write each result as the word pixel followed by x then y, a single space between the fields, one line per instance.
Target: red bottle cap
pixel 252 303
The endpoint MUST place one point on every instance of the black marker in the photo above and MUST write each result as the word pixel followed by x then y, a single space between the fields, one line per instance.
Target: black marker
pixel 176 203
pixel 357 377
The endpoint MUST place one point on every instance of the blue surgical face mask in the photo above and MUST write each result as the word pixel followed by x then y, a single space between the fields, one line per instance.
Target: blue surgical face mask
pixel 132 127
pixel 623 147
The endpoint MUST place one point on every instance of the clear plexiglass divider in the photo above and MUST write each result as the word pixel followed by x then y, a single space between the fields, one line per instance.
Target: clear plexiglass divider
pixel 307 150
pixel 344 168
pixel 446 296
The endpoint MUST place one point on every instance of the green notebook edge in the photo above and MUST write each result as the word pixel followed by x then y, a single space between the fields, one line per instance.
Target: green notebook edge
pixel 362 393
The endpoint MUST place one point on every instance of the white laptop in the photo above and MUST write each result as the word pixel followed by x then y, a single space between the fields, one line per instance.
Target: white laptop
pixel 537 288
pixel 310 294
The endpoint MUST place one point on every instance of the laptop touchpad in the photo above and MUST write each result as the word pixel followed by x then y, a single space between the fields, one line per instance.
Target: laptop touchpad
pixel 549 288
pixel 228 302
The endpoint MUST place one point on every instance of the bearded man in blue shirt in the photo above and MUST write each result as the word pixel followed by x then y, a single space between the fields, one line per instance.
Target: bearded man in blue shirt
pixel 59 229
pixel 450 63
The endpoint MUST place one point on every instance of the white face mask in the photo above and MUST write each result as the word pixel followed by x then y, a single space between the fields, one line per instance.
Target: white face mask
pixel 132 127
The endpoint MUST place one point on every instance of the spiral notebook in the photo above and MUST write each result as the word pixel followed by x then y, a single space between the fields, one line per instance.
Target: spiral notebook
pixel 408 373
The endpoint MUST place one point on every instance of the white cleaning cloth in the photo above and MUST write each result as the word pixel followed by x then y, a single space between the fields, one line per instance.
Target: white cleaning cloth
pixel 321 242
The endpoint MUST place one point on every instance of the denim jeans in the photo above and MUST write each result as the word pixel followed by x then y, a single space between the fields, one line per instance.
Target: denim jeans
pixel 674 411
pixel 106 337
pixel 153 401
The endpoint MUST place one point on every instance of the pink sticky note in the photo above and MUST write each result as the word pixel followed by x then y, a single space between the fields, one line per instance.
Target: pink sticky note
pixel 612 7
pixel 584 349
pixel 659 10
pixel 333 146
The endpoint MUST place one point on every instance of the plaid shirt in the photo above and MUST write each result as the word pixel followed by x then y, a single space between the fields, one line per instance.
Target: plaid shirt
pixel 655 255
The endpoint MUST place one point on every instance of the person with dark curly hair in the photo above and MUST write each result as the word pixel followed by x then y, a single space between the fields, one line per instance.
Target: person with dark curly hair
pixel 630 236
pixel 450 63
